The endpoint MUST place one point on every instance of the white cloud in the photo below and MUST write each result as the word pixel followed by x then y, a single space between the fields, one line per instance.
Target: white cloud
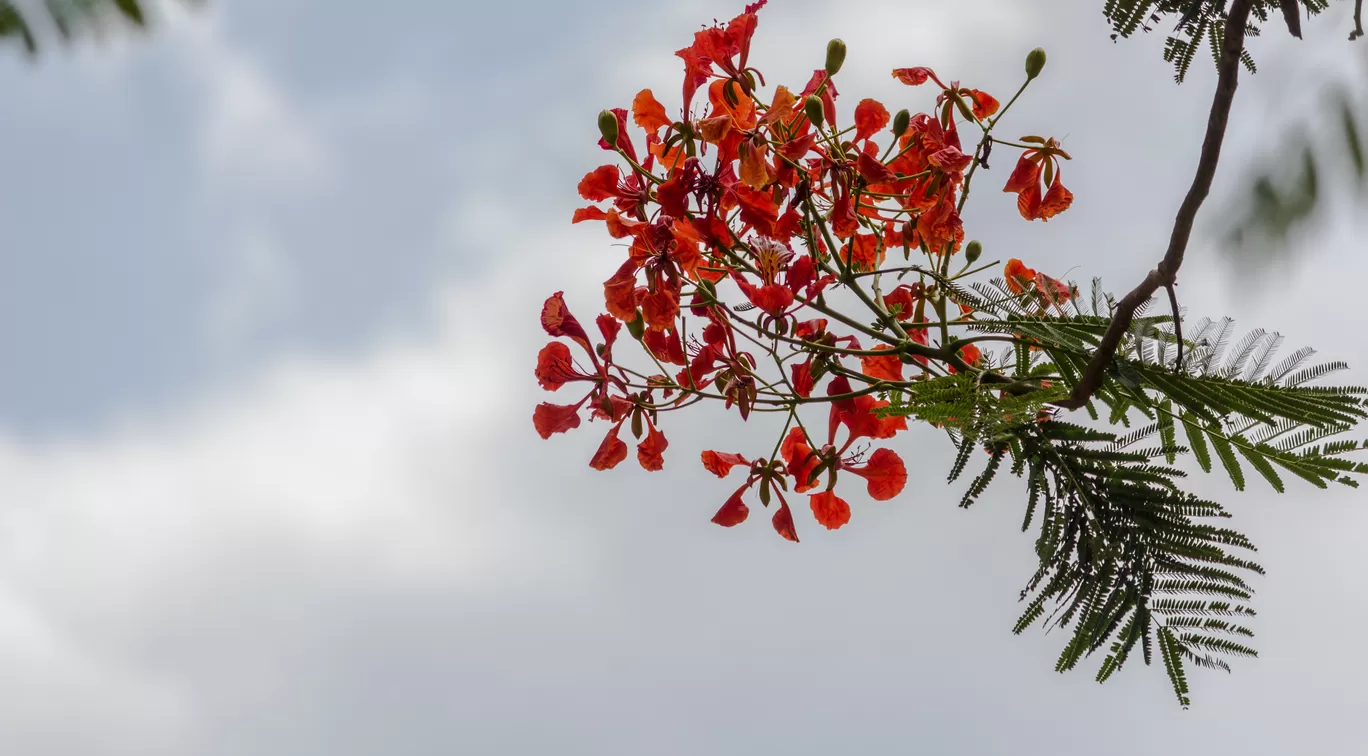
pixel 255 137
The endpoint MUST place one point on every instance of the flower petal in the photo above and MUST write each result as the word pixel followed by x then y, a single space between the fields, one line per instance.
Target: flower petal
pixel 554 366
pixel 721 463
pixel 648 113
pixel 870 117
pixel 610 452
pixel 884 367
pixel 1056 200
pixel 650 452
pixel 829 509
pixel 914 76
pixel 558 321
pixel 1025 175
pixel 733 512
pixel 783 523
pixel 555 418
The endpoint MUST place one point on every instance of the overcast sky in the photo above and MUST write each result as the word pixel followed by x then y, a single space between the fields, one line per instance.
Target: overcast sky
pixel 268 480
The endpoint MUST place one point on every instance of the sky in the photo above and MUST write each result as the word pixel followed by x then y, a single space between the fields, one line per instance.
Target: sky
pixel 268 480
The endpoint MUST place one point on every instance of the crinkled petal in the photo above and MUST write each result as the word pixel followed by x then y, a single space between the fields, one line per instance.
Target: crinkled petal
pixel 830 510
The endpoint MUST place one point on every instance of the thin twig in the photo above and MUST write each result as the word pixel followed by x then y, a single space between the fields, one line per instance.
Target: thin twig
pixel 1177 326
pixel 1166 272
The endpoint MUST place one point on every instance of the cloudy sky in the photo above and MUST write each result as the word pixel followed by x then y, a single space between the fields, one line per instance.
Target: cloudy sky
pixel 268 480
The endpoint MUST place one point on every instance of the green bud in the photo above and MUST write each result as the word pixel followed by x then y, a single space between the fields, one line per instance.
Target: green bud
pixel 973 251
pixel 901 121
pixel 608 126
pixel 765 491
pixel 637 327
pixel 836 52
pixel 964 108
pixel 636 423
pixel 1035 61
pixel 813 107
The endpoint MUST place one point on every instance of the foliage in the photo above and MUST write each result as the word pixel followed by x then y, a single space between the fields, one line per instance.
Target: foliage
pixel 69 17
pixel 774 247
pixel 1200 23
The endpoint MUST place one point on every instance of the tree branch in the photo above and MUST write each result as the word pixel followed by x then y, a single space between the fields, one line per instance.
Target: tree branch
pixel 1166 272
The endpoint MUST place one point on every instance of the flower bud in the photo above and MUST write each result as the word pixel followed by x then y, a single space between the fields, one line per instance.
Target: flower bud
pixel 900 122
pixel 1035 61
pixel 813 107
pixel 608 126
pixel 972 251
pixel 836 52
pixel 637 327
pixel 636 423
pixel 964 108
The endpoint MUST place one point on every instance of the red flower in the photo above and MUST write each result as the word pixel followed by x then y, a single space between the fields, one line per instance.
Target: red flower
pixel 901 301
pixel 1019 277
pixel 728 49
pixel 555 367
pixel 800 459
pixel 870 118
pixel 883 367
pixel 885 473
pixel 1025 181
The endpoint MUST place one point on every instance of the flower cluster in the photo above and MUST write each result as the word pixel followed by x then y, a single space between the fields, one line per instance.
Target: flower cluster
pixel 767 245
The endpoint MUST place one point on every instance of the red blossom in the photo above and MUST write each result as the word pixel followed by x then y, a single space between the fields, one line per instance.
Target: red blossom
pixel 885 473
pixel 882 367
pixel 870 117
pixel 1035 163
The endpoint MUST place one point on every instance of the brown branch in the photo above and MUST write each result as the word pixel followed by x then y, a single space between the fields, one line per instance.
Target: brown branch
pixel 1166 272
pixel 1358 21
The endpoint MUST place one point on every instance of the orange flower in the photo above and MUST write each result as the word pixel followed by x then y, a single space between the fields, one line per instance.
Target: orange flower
pixel 1019 277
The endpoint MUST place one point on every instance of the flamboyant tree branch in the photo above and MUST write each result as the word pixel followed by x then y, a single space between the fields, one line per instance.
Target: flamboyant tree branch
pixel 1165 274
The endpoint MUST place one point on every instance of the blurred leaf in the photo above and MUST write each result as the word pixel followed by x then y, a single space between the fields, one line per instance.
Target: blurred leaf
pixel 71 18
pixel 13 25
pixel 1288 192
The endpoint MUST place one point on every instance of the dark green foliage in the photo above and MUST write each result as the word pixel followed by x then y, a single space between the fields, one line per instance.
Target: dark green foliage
pixel 1196 23
pixel 1127 558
